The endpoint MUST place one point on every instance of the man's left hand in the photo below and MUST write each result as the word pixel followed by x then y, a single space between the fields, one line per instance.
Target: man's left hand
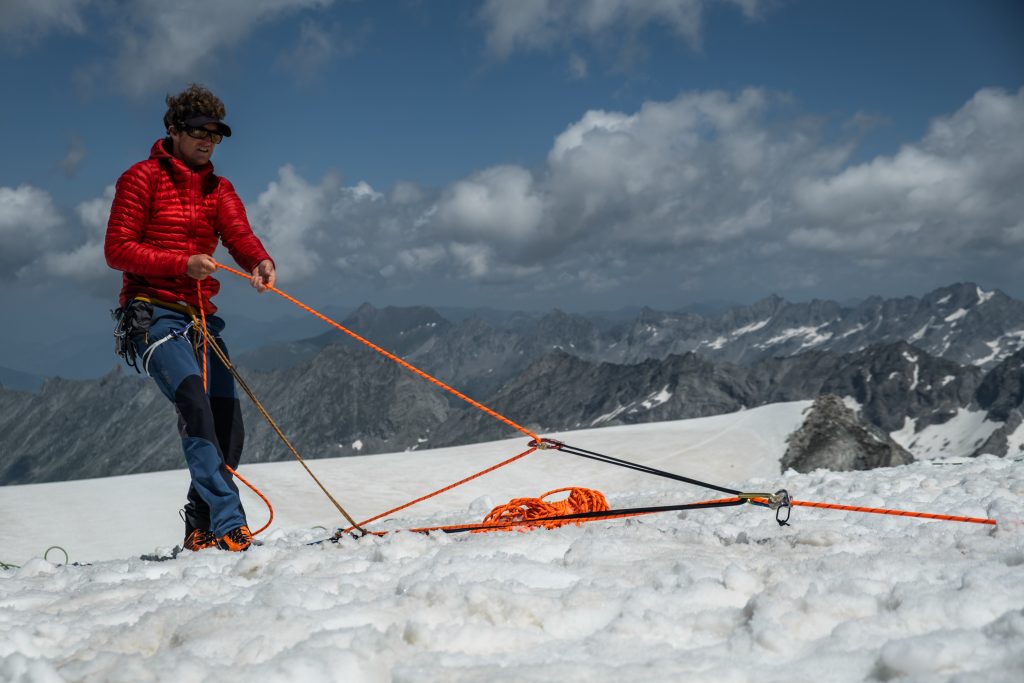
pixel 264 275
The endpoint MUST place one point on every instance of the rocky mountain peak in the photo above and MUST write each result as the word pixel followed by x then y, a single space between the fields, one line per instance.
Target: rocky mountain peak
pixel 1002 390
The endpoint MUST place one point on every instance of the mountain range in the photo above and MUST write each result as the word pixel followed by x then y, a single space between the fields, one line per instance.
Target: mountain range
pixel 910 366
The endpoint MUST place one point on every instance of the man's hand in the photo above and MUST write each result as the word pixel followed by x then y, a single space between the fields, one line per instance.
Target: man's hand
pixel 264 275
pixel 200 266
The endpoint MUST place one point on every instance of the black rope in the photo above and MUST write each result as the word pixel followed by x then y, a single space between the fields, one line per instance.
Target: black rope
pixel 600 457
pixel 597 515
pixel 558 518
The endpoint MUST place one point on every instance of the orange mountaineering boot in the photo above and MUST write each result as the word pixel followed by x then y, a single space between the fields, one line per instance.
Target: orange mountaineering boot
pixel 199 539
pixel 236 540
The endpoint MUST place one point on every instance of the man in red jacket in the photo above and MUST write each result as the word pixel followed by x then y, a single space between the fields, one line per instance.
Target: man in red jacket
pixel 169 213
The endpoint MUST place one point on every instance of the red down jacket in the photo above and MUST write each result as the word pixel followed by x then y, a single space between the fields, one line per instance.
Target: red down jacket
pixel 164 212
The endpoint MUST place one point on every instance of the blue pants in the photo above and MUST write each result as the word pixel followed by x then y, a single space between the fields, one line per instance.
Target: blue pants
pixel 210 422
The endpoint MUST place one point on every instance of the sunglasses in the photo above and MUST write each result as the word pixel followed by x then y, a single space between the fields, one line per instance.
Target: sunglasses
pixel 202 134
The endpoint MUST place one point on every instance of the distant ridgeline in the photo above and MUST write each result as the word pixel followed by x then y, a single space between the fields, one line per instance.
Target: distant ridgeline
pixel 942 374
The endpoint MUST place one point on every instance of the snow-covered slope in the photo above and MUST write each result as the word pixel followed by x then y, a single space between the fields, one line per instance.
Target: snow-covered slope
pixel 715 595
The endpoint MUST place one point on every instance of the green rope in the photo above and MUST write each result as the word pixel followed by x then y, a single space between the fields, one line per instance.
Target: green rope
pixel 67 558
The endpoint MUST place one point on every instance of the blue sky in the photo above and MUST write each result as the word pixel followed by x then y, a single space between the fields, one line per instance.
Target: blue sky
pixel 530 154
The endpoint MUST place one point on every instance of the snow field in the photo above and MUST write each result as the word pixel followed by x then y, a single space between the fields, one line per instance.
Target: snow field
pixel 722 595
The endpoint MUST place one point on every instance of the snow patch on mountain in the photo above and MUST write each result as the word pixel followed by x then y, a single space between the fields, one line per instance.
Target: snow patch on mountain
pixel 812 336
pixel 1001 347
pixel 956 315
pixel 958 437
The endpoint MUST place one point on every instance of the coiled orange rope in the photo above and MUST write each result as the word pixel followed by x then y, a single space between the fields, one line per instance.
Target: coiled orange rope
pixel 528 509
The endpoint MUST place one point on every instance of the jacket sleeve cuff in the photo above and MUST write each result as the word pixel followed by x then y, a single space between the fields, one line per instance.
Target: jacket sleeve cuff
pixel 181 267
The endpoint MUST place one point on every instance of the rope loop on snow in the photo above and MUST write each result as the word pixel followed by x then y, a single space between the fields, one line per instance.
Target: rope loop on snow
pixel 530 509
pixel 67 558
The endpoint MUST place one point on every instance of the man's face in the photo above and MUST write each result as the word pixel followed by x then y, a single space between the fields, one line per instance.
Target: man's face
pixel 192 152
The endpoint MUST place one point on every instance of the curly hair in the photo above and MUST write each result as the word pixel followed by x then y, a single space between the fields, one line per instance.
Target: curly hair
pixel 196 99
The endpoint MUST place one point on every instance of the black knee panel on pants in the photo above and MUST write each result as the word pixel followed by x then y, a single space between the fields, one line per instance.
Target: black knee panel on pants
pixel 227 419
pixel 195 418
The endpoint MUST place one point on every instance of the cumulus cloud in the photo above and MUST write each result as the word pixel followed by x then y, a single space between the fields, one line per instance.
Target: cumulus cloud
pixel 539 24
pixel 498 205
pixel 30 224
pixel 160 44
pixel 290 215
pixel 85 262
pixel 710 189
pixel 956 189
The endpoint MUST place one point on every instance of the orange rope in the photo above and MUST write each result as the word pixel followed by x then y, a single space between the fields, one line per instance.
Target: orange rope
pixel 411 368
pixel 523 524
pixel 526 511
pixel 202 313
pixel 270 508
pixel 442 490
pixel 530 509
pixel 520 524
pixel 897 513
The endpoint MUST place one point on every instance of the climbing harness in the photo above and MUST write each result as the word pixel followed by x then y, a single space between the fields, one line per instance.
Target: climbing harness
pixel 129 320
pixel 173 334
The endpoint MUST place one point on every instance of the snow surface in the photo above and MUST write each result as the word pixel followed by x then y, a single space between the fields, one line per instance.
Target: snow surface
pixel 721 595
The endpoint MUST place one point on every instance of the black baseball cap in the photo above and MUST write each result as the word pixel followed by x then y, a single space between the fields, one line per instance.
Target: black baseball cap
pixel 200 120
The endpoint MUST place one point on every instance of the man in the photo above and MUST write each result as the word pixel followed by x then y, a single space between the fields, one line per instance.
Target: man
pixel 168 213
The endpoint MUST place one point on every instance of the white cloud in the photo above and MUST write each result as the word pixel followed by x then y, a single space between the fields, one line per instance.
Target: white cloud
pixel 30 224
pixel 290 216
pixel 540 24
pixel 709 188
pixel 86 261
pixel 958 188
pixel 161 44
pixel 499 205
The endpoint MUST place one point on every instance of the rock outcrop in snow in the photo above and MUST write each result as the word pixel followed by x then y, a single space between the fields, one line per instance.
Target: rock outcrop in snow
pixel 833 437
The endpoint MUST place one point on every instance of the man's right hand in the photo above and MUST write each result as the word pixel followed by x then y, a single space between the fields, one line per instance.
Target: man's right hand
pixel 200 266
